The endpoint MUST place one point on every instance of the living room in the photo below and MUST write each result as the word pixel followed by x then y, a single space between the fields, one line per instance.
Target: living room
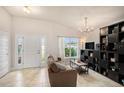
pixel 61 46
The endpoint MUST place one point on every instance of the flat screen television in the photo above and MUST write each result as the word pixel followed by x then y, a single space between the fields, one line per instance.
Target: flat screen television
pixel 89 45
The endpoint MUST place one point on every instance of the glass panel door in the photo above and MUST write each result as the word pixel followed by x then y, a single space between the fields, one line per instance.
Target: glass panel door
pixel 19 51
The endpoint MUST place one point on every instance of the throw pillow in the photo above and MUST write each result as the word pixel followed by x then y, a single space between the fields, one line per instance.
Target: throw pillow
pixel 54 68
pixel 61 66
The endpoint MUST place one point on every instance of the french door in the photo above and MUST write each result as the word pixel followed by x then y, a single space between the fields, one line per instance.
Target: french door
pixel 30 51
pixel 4 53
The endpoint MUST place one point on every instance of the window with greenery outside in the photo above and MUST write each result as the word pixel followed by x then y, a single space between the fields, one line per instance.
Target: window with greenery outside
pixel 71 47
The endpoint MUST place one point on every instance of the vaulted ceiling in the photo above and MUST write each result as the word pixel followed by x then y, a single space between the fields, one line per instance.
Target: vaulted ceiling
pixel 98 16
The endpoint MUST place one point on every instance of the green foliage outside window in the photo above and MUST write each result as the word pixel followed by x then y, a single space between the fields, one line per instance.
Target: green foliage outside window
pixel 73 52
pixel 70 45
pixel 67 52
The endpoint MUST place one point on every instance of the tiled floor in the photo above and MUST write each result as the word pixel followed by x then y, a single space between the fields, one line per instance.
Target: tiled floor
pixel 38 77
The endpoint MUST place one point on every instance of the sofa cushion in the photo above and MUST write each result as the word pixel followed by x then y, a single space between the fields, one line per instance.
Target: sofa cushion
pixel 60 66
pixel 50 62
pixel 53 67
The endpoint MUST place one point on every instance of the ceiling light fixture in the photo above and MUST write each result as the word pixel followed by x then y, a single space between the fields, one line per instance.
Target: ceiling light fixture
pixel 85 26
pixel 27 9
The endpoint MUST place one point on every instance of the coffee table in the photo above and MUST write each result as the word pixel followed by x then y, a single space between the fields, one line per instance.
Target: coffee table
pixel 82 67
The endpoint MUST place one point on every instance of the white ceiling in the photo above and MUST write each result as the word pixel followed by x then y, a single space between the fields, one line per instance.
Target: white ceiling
pixel 71 15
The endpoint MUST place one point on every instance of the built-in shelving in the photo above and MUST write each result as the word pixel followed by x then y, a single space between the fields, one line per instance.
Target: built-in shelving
pixel 112 51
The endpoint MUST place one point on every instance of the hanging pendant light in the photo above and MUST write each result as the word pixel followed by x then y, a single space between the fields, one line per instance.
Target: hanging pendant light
pixel 85 26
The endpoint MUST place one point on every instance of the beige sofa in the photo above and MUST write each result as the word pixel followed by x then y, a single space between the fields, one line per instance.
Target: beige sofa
pixel 66 78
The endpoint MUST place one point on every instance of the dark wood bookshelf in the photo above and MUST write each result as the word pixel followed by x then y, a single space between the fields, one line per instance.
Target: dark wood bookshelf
pixel 112 51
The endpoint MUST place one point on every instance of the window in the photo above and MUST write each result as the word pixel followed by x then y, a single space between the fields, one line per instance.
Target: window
pixel 20 42
pixel 70 47
pixel 43 49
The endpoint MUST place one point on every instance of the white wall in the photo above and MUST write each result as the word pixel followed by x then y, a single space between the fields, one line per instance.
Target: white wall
pixel 5 25
pixel 5 20
pixel 51 30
